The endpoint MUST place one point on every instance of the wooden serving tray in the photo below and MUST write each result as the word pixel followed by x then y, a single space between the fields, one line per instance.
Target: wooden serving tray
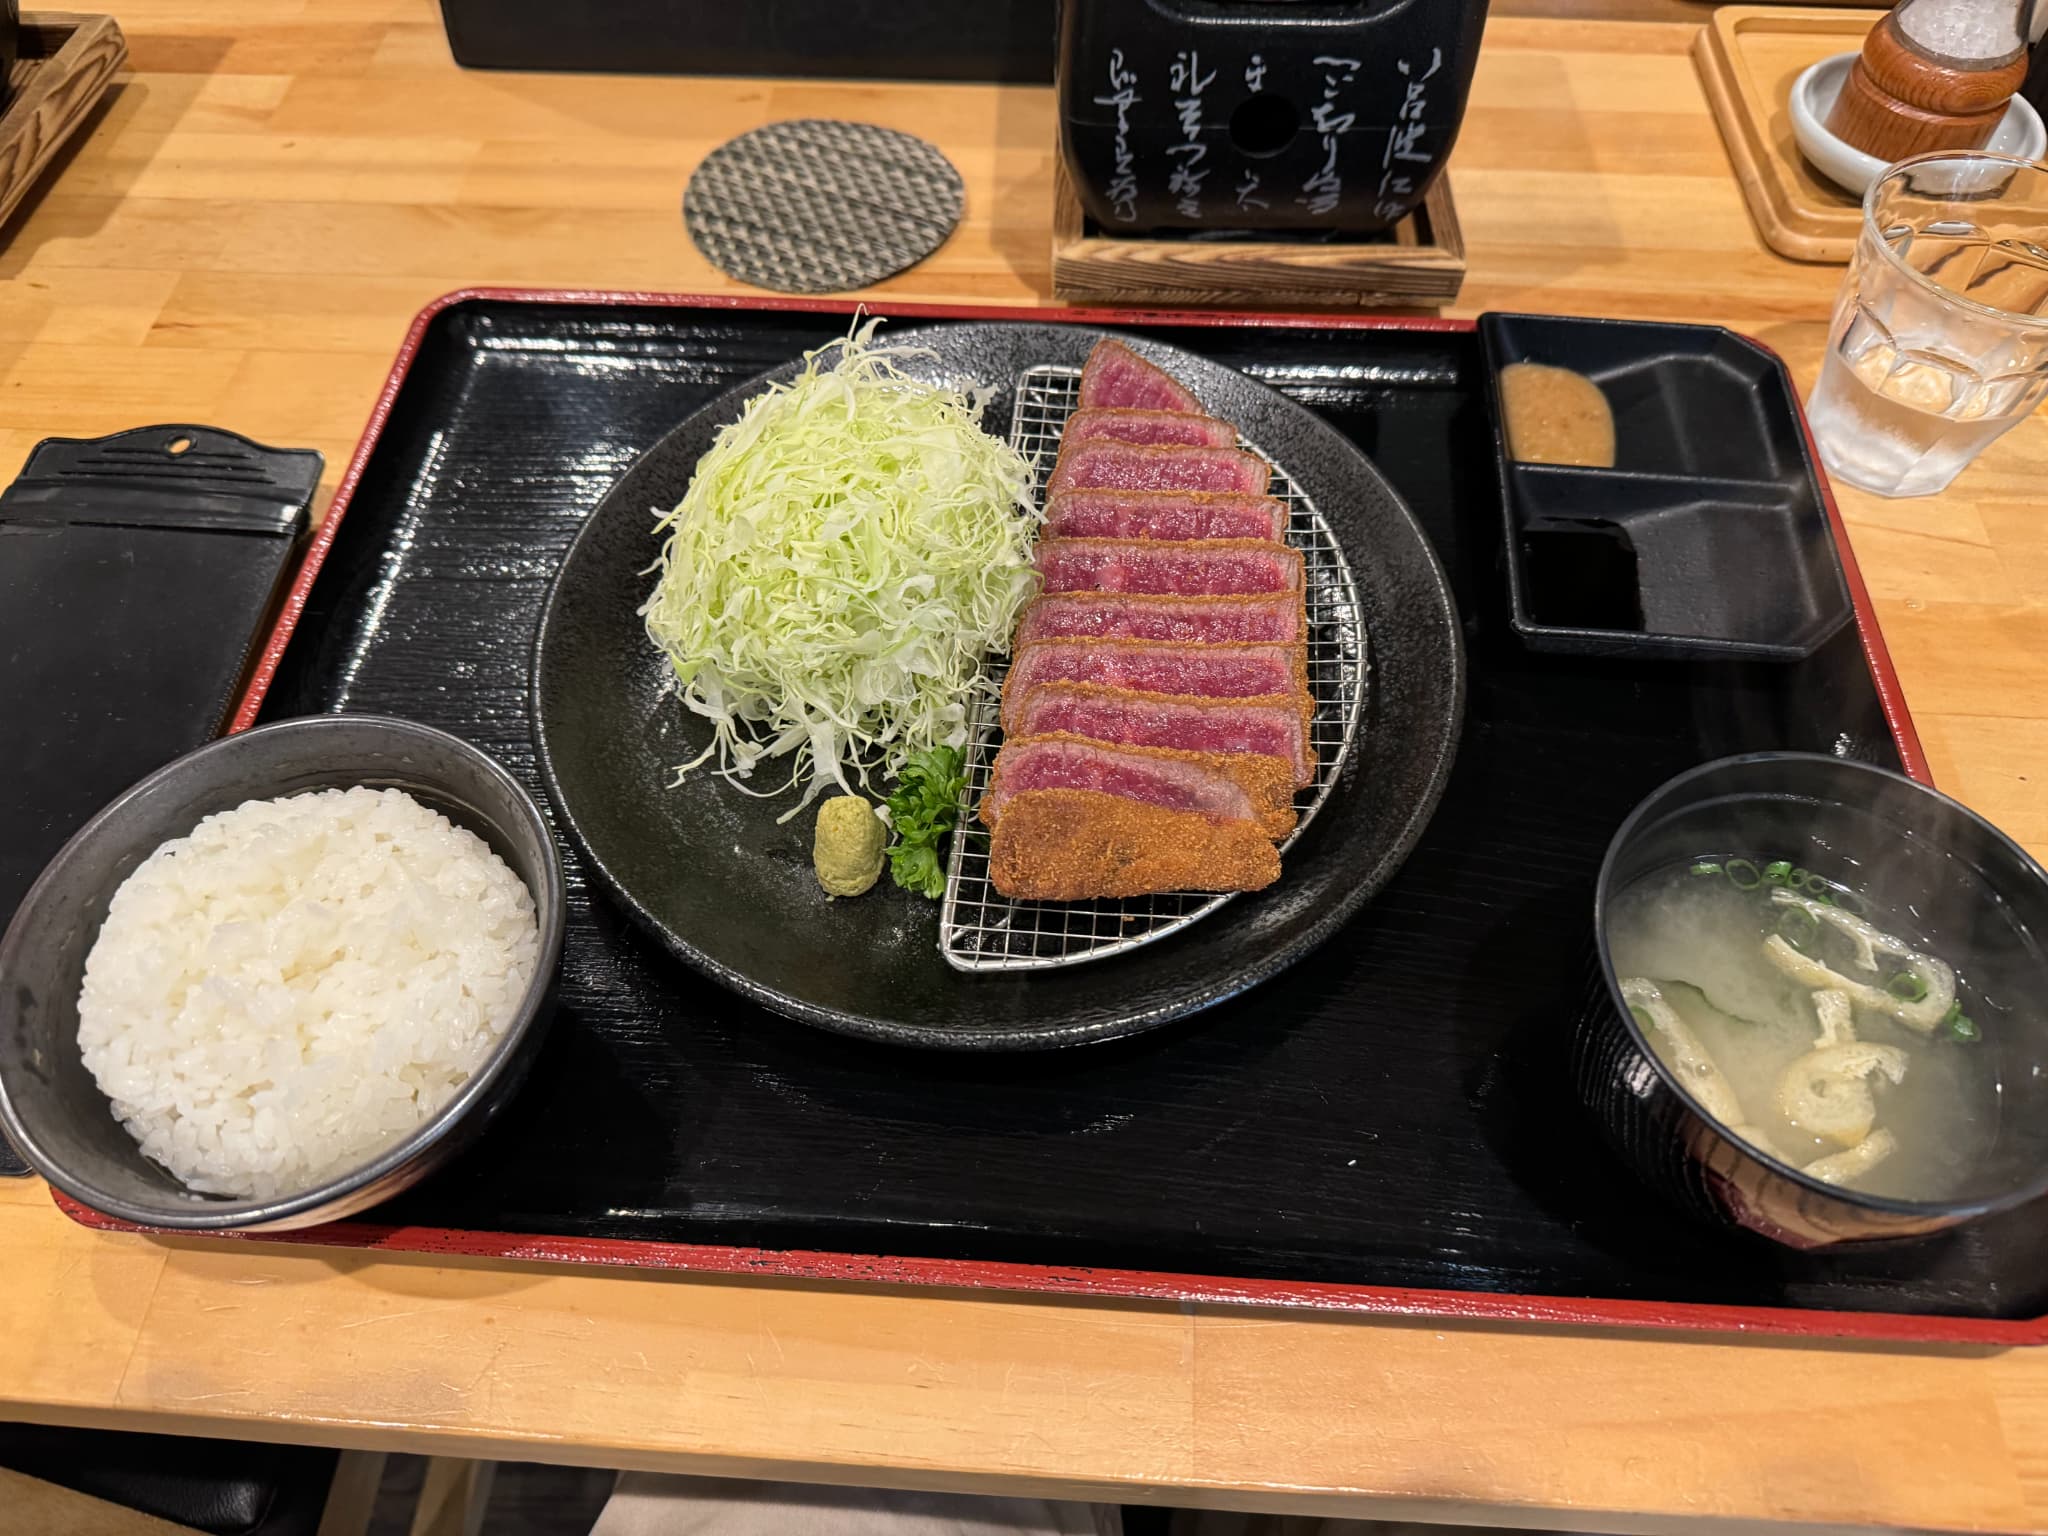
pixel 1422 265
pixel 1748 56
pixel 67 61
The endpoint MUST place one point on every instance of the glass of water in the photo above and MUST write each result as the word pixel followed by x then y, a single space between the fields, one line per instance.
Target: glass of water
pixel 1940 336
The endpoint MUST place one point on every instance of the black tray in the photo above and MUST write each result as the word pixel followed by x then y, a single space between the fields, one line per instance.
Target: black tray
pixel 1388 1125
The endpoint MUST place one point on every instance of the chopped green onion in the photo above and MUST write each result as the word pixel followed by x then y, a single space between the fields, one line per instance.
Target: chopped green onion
pixel 1799 927
pixel 1777 871
pixel 1743 875
pixel 1817 884
pixel 1907 987
pixel 1848 901
pixel 1960 1024
pixel 1706 869
pixel 1642 1019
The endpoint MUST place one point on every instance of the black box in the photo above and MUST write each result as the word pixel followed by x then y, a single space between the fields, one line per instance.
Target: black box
pixel 1009 41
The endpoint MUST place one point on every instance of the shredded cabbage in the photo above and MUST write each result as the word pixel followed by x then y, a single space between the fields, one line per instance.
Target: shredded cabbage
pixel 847 553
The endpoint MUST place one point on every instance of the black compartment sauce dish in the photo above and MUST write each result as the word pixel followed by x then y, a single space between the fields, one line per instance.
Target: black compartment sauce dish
pixel 1388 1127
pixel 1709 536
pixel 1977 899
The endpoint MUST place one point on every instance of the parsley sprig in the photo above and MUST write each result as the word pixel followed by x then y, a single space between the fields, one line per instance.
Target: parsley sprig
pixel 923 809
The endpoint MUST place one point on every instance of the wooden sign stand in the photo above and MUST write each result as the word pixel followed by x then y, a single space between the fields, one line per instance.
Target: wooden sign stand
pixel 1422 266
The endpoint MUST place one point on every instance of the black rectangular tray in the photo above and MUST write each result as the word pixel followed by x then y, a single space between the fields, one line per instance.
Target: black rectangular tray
pixel 1386 1127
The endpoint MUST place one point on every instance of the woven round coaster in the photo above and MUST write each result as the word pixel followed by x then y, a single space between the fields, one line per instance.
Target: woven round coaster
pixel 819 206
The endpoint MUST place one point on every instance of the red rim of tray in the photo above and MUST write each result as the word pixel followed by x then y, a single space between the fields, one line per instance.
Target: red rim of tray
pixel 1482 1306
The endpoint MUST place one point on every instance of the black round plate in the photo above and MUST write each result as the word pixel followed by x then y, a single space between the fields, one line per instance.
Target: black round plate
pixel 709 871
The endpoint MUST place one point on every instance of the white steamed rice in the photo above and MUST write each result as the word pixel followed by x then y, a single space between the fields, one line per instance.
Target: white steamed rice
pixel 298 983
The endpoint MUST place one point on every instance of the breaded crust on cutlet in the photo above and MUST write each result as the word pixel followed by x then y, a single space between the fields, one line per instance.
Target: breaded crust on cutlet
pixel 1268 782
pixel 1078 844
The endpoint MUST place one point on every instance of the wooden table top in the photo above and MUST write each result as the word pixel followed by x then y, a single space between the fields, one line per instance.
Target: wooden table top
pixel 275 189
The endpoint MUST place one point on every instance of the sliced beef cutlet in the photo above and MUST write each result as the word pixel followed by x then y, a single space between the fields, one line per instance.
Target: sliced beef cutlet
pixel 1226 786
pixel 1114 376
pixel 1157 711
pixel 1091 514
pixel 1273 618
pixel 1136 467
pixel 1203 671
pixel 1201 568
pixel 1157 428
pixel 1081 844
pixel 1270 728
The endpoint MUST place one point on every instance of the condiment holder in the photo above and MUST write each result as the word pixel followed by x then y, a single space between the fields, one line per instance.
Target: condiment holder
pixel 1708 538
pixel 1934 74
pixel 2019 132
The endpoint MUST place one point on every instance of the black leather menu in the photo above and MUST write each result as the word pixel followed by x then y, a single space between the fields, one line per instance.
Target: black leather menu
pixel 136 573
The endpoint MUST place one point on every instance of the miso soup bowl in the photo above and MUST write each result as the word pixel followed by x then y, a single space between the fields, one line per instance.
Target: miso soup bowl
pixel 1978 895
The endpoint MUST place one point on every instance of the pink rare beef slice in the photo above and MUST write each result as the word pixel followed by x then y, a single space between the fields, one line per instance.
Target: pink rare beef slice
pixel 1207 568
pixel 1113 466
pixel 1273 618
pixel 1261 727
pixel 1206 671
pixel 1157 428
pixel 1114 375
pixel 1087 514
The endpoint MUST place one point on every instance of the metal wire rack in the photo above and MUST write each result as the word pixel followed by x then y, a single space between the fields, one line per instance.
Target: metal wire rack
pixel 982 930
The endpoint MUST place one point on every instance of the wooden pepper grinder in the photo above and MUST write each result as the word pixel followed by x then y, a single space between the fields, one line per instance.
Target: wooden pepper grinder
pixel 1934 74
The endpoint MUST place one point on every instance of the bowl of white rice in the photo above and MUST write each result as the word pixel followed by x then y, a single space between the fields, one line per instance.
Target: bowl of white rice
pixel 280 979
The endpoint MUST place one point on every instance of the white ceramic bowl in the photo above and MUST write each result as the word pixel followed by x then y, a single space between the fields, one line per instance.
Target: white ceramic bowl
pixel 1813 97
